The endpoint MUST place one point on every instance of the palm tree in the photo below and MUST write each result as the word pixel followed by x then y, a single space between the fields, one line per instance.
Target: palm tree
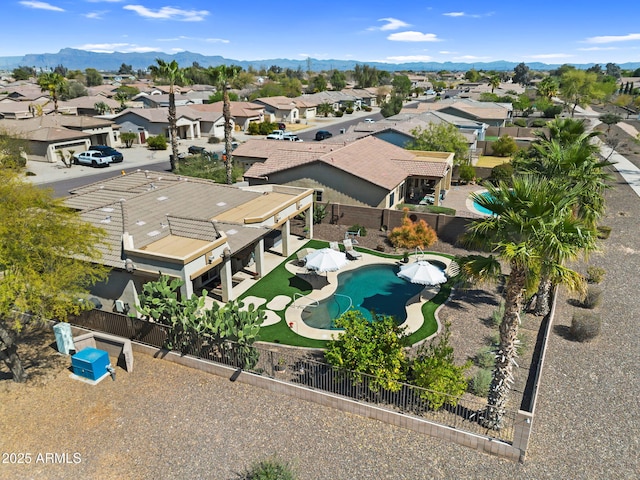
pixel 548 87
pixel 55 84
pixel 494 81
pixel 222 76
pixel 325 108
pixel 533 223
pixel 173 74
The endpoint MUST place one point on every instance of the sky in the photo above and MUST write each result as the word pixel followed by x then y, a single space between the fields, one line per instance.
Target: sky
pixel 553 32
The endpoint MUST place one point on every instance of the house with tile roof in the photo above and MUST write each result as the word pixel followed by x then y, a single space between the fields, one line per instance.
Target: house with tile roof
pixel 493 114
pixel 242 113
pixel 148 122
pixel 366 172
pixel 198 231
pixel 281 109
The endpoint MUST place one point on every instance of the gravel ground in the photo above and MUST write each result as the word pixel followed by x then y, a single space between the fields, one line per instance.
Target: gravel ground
pixel 167 421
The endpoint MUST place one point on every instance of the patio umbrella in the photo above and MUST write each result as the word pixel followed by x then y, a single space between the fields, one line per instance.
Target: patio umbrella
pixel 326 260
pixel 422 272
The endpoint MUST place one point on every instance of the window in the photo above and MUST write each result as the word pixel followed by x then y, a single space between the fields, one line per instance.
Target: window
pixel 319 195
pixel 392 199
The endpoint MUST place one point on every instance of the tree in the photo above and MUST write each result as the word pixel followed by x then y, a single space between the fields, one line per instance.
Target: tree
pixel 93 77
pixel 374 348
pixel 55 84
pixel 43 252
pixel 576 88
pixel 128 138
pixel 494 82
pixel 401 85
pixel 221 77
pixel 13 151
pixel 125 69
pixel 61 69
pixel 101 108
pixel 505 146
pixel 443 137
pixel 412 234
pixel 434 369
pixel 338 80
pixel 23 73
pixel 393 106
pixel 472 75
pixel 174 75
pixel 610 119
pixel 325 108
pixel 318 84
pixel 74 90
pixel 613 70
pixel 548 87
pixel 533 219
pixel 521 74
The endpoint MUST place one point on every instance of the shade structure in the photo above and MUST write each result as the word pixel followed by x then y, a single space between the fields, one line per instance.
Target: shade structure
pixel 422 272
pixel 325 260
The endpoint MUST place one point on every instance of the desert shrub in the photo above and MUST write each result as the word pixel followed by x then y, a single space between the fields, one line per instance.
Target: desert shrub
pixel 269 469
pixel 604 232
pixel 159 142
pixel 504 146
pixel 595 274
pixel 551 112
pixel 585 326
pixel 412 234
pixel 498 314
pixel 360 228
pixel 480 382
pixel 486 357
pixel 254 128
pixel 502 172
pixel 520 122
pixel 367 108
pixel 349 111
pixel 214 139
pixel 592 297
pixel 338 113
pixel 128 138
pixel 539 123
pixel 467 173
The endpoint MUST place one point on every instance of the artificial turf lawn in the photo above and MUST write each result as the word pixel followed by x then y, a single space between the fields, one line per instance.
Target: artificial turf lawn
pixel 281 282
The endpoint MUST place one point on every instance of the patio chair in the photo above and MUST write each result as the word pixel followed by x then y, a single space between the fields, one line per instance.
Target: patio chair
pixel 352 253
pixel 334 246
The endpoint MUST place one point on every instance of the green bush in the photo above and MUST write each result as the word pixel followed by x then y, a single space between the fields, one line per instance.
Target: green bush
pixel 480 382
pixel 159 142
pixel 254 128
pixel 592 297
pixel 498 314
pixel 585 326
pixel 338 113
pixel 486 357
pixel 214 139
pixel 269 469
pixel 502 172
pixel 437 209
pixel 504 146
pixel 356 227
pixel 552 111
pixel 520 122
pixel 349 111
pixel 367 108
pixel 539 123
pixel 595 274
pixel 467 173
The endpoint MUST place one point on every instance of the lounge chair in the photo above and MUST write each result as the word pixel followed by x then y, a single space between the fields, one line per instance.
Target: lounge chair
pixel 334 246
pixel 351 252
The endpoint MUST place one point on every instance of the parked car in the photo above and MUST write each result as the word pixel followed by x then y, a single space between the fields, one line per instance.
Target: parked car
pixel 276 135
pixel 282 126
pixel 322 134
pixel 93 158
pixel 116 156
pixel 196 150
pixel 234 145
pixel 291 137
pixel 369 120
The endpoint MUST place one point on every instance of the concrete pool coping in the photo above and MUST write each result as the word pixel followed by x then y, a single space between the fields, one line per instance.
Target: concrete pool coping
pixel 325 285
pixel 470 204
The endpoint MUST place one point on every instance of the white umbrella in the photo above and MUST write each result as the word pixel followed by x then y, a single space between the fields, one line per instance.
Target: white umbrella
pixel 422 272
pixel 326 260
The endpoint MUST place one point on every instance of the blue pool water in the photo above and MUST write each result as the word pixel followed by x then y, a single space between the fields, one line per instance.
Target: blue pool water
pixel 486 211
pixel 372 288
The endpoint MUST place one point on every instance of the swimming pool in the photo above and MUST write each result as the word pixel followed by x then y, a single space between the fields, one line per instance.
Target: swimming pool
pixel 372 288
pixel 484 211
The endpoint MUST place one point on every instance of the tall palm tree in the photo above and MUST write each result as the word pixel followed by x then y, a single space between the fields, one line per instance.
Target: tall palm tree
pixel 55 84
pixel 222 76
pixel 494 81
pixel 533 222
pixel 174 75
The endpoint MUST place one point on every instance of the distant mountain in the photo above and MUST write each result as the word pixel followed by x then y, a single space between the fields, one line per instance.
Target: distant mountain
pixel 81 59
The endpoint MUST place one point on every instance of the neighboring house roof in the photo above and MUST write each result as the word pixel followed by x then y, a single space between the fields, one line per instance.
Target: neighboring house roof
pixel 88 102
pixel 328 97
pixel 238 109
pixel 369 158
pixel 104 90
pixel 474 108
pixel 155 115
pixel 278 103
pixel 56 127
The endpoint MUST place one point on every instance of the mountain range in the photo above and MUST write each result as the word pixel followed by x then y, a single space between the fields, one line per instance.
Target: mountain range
pixel 81 59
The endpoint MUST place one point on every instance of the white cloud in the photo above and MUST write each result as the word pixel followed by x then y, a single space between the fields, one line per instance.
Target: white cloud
pixel 447 52
pixel 454 14
pixel 95 15
pixel 42 6
pixel 104 1
pixel 409 58
pixel 169 13
pixel 392 24
pixel 471 58
pixel 410 36
pixel 115 47
pixel 597 49
pixel 614 38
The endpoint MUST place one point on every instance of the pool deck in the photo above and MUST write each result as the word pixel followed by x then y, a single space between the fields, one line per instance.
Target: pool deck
pixel 325 284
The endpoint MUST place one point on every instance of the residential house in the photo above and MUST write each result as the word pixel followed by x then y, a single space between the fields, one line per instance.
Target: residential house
pixel 366 172
pixel 492 113
pixel 195 230
pixel 86 105
pixel 242 113
pixel 154 121
pixel 162 100
pixel 281 109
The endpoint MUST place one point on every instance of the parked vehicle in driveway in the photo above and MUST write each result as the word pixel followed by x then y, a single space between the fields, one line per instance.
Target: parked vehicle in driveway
pixel 116 156
pixel 93 158
pixel 291 137
pixel 277 135
pixel 369 120
pixel 323 134
pixel 196 150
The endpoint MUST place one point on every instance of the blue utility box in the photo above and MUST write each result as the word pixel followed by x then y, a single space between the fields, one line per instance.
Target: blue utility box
pixel 90 363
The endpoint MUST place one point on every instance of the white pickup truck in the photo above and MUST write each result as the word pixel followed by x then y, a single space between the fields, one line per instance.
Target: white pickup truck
pixel 277 135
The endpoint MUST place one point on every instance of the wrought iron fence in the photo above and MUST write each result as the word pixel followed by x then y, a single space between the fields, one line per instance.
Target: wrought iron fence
pixel 463 413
